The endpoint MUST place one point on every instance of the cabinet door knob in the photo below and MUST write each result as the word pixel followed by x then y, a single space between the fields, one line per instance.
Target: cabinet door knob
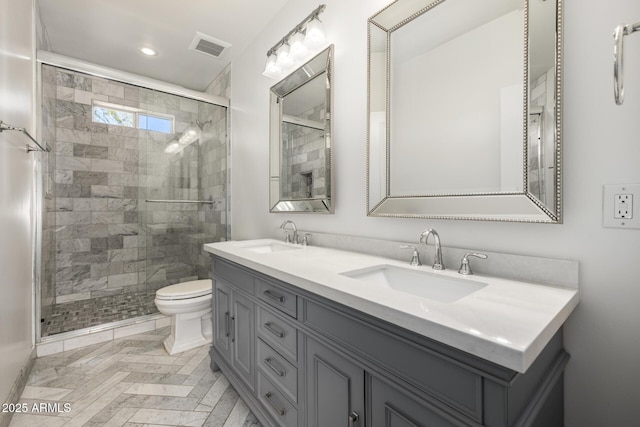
pixel 353 419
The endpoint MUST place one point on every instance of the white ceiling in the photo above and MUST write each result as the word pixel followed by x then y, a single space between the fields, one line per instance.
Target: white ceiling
pixel 110 32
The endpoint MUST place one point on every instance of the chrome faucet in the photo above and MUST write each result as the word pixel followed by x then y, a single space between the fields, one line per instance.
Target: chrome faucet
pixel 283 226
pixel 437 260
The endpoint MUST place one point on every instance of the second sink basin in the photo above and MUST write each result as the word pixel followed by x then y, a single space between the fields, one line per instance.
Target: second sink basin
pixel 416 282
pixel 270 247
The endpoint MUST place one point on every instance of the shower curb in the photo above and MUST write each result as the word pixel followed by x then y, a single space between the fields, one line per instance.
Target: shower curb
pixel 108 332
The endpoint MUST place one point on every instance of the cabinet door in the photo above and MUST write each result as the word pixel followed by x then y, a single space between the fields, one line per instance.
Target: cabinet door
pixel 391 408
pixel 243 337
pixel 222 318
pixel 335 388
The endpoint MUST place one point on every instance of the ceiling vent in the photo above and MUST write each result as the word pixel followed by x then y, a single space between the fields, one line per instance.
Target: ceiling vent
pixel 208 45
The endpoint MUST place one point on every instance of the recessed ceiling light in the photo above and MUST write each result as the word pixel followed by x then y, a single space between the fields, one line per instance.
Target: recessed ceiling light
pixel 148 51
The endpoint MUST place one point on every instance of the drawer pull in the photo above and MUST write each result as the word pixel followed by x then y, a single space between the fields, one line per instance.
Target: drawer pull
pixel 353 418
pixel 279 372
pixel 272 295
pixel 280 411
pixel 274 331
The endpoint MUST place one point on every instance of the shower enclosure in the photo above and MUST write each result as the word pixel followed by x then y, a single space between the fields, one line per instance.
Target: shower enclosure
pixel 135 184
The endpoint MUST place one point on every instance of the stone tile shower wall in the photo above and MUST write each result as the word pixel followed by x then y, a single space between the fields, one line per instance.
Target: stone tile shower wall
pixel 109 240
pixel 305 158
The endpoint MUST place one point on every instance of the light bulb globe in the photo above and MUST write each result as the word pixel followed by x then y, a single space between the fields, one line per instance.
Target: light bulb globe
pixel 272 70
pixel 314 37
pixel 298 51
pixel 284 61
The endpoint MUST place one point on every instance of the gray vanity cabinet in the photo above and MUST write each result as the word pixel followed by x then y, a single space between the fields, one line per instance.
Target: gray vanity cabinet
pixel 299 360
pixel 222 318
pixel 390 407
pixel 335 387
pixel 234 329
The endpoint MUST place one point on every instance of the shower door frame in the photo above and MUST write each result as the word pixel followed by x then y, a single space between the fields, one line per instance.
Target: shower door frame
pixel 78 65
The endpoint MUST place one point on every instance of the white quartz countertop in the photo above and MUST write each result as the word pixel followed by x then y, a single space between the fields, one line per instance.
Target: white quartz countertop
pixel 506 322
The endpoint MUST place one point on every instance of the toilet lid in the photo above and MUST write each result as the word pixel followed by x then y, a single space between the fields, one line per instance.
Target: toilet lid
pixel 193 289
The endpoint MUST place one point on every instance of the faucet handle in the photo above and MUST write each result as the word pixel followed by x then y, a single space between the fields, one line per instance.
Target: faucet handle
pixel 305 239
pixel 465 267
pixel 415 258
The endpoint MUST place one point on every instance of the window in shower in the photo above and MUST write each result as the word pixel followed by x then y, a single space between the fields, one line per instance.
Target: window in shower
pixel 111 115
pixel 120 115
pixel 155 122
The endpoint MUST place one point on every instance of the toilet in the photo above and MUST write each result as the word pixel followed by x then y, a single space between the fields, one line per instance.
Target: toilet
pixel 189 305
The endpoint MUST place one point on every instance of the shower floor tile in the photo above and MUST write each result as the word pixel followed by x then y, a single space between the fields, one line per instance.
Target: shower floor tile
pixel 74 315
pixel 104 384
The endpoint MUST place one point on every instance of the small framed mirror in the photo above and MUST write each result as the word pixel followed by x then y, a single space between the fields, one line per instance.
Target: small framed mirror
pixel 301 160
pixel 465 110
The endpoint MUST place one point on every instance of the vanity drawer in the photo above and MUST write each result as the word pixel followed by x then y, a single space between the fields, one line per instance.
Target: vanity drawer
pixel 278 370
pixel 232 274
pixel 278 297
pixel 276 404
pixel 278 333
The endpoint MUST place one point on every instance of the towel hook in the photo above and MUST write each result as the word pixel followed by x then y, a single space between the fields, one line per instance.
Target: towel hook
pixel 618 59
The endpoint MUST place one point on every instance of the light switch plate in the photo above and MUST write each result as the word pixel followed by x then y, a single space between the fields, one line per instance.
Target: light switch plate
pixel 621 206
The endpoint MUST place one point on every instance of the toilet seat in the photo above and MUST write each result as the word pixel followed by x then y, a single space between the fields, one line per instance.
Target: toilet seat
pixel 185 290
pixel 184 305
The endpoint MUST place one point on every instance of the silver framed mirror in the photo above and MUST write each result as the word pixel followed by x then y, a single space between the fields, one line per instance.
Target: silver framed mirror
pixel 301 160
pixel 464 110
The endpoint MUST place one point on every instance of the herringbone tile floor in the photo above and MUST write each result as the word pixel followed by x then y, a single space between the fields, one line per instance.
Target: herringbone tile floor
pixel 130 382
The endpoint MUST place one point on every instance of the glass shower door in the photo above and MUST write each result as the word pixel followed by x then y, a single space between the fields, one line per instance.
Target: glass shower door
pixel 182 186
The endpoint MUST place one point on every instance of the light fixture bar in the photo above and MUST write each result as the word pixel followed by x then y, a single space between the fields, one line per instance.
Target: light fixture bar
pixel 313 15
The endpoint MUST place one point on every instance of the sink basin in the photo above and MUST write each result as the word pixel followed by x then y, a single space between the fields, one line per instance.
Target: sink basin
pixel 264 248
pixel 417 282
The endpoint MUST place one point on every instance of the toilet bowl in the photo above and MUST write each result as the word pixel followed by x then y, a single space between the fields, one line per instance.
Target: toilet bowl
pixel 189 305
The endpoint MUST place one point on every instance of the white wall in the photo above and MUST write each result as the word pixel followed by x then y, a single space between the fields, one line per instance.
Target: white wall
pixel 601 146
pixel 16 181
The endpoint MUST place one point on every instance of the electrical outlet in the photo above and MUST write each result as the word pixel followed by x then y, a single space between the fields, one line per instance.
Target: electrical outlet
pixel 623 206
pixel 618 205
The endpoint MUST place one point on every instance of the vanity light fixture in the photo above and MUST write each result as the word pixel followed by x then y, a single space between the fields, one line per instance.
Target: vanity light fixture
pixel 294 49
pixel 297 50
pixel 148 51
pixel 272 70
pixel 284 61
pixel 315 34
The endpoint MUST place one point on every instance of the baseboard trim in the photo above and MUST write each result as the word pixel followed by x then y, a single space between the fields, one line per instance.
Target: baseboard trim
pixel 18 387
